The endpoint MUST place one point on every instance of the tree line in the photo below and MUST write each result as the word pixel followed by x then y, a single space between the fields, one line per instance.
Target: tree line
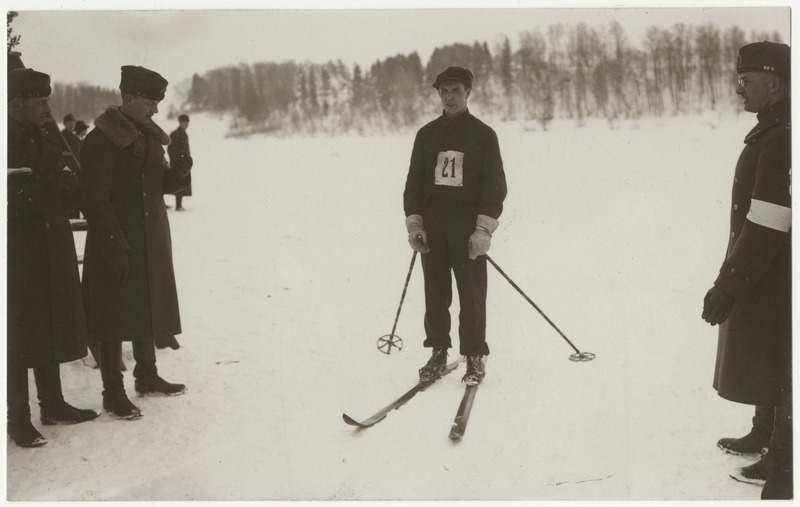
pixel 563 71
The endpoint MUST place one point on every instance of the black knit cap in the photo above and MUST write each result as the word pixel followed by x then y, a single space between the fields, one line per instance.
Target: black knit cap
pixel 69 117
pixel 765 57
pixel 27 84
pixel 454 74
pixel 143 82
pixel 183 117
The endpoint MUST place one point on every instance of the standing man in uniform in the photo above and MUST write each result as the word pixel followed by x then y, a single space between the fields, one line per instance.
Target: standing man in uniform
pixel 46 325
pixel 70 135
pixel 751 298
pixel 179 143
pixel 74 144
pixel 81 128
pixel 453 197
pixel 128 278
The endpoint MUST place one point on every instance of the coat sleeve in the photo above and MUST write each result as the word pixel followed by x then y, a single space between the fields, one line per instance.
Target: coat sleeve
pixel 767 228
pixel 413 196
pixel 493 179
pixel 97 177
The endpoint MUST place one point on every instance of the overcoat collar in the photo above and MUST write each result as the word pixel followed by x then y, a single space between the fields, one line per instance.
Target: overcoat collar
pixel 121 131
pixel 774 115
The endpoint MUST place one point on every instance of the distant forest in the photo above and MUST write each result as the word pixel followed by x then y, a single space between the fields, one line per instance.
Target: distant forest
pixel 571 72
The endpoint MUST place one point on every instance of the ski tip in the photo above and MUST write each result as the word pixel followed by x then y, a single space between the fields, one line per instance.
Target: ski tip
pixel 365 424
pixel 349 420
pixel 455 436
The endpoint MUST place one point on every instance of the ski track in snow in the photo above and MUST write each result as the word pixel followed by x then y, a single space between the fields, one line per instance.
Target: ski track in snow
pixel 290 262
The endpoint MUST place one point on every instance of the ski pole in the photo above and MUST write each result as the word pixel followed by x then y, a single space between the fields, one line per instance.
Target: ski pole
pixel 578 356
pixel 387 341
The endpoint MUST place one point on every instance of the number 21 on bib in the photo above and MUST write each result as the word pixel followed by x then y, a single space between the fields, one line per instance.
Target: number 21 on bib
pixel 450 169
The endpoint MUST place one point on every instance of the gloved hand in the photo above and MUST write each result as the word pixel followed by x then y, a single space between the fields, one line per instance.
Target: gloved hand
pixel 417 237
pixel 481 239
pixel 182 165
pixel 65 182
pixel 118 267
pixel 717 306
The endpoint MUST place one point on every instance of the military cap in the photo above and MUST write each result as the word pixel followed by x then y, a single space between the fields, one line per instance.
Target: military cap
pixel 81 126
pixel 143 82
pixel 183 117
pixel 454 73
pixel 765 57
pixel 69 117
pixel 27 84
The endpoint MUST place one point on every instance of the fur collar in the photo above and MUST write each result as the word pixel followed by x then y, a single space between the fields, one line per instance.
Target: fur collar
pixel 123 132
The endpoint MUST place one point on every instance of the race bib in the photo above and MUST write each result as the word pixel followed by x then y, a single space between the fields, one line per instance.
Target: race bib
pixel 449 169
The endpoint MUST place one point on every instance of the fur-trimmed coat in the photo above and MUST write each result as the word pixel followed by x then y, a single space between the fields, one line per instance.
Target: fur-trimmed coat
pixel 45 321
pixel 124 176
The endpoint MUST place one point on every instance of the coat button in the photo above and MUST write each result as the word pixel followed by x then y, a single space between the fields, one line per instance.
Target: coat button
pixel 47 225
pixel 735 207
pixel 144 194
pixel 147 213
pixel 736 179
pixel 733 234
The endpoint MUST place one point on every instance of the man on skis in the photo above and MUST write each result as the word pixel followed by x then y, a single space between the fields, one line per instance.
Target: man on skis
pixel 453 196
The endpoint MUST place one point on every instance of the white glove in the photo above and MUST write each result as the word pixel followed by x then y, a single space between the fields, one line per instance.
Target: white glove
pixel 481 239
pixel 417 237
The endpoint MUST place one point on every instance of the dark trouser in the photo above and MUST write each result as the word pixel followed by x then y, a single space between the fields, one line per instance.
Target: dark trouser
pixel 449 225
pixel 48 389
pixel 144 353
pixel 178 200
pixel 775 423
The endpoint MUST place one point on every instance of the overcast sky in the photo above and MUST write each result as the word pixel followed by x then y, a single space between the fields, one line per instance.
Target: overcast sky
pixel 90 46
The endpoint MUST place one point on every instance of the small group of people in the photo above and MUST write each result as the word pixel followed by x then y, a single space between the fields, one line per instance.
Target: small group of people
pixel 453 198
pixel 74 132
pixel 127 292
pixel 454 195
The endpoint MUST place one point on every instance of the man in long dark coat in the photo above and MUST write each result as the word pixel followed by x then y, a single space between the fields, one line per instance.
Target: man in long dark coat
pixel 45 325
pixel 179 143
pixel 752 297
pixel 128 278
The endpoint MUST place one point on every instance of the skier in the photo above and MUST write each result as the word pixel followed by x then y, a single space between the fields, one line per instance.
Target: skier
pixel 752 297
pixel 453 196
pixel 46 325
pixel 128 277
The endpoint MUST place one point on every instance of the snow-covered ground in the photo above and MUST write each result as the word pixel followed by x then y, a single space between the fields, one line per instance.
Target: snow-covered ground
pixel 290 262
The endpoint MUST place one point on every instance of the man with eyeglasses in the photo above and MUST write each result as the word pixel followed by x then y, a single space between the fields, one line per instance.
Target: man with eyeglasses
pixel 453 196
pixel 751 299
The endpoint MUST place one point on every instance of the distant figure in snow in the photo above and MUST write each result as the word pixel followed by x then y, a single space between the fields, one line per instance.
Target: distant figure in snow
pixel 179 143
pixel 74 143
pixel 81 128
pixel 128 277
pixel 69 134
pixel 45 321
pixel 453 196
pixel 752 297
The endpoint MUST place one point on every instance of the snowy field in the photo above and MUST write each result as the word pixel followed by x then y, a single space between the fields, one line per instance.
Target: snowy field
pixel 290 262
